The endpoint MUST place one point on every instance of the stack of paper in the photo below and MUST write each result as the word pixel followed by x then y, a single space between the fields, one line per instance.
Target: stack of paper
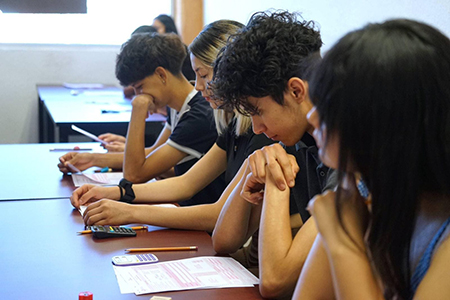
pixel 185 274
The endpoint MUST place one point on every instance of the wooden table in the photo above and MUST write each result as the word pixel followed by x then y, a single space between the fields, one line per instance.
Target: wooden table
pixel 44 258
pixel 94 110
pixel 29 171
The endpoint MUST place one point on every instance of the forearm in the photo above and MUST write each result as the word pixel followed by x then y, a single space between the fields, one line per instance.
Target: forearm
pixel 279 265
pixel 184 187
pixel 198 217
pixel 350 269
pixel 170 190
pixel 110 160
pixel 135 146
pixel 238 219
pixel 315 280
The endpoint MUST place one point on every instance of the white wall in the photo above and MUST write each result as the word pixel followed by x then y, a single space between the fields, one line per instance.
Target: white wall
pixel 24 66
pixel 337 17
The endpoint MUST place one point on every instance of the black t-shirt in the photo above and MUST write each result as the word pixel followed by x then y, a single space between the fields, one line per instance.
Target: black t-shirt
pixel 312 179
pixel 238 148
pixel 194 132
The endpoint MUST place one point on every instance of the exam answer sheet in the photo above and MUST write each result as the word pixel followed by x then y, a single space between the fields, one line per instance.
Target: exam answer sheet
pixel 184 274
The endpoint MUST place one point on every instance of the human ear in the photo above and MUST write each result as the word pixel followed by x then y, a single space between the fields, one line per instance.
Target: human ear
pixel 298 89
pixel 162 74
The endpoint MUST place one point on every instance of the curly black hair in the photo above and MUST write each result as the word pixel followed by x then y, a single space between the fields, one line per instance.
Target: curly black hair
pixel 260 60
pixel 143 53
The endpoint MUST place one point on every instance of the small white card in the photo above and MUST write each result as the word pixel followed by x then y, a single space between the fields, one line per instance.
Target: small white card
pixel 88 134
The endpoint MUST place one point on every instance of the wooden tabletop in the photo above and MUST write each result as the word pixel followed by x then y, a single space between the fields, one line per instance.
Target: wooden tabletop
pixel 44 258
pixel 29 171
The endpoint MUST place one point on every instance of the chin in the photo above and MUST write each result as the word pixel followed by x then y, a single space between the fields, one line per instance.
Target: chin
pixel 213 105
pixel 288 141
pixel 326 160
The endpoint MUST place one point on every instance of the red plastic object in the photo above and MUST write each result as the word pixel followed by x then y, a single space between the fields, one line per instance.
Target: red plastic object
pixel 85 296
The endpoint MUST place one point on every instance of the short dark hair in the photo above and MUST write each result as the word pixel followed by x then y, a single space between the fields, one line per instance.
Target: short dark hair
pixel 260 60
pixel 143 53
pixel 144 29
pixel 384 92
pixel 168 22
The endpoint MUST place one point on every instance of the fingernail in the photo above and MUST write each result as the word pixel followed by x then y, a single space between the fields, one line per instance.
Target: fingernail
pixel 282 186
pixel 291 183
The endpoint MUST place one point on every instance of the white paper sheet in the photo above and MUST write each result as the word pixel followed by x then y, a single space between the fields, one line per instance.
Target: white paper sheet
pixel 82 209
pixel 185 274
pixel 109 178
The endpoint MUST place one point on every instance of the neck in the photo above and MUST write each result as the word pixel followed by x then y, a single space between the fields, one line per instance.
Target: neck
pixel 180 89
pixel 310 129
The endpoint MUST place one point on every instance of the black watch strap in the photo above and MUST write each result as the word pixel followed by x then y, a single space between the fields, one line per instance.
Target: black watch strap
pixel 127 186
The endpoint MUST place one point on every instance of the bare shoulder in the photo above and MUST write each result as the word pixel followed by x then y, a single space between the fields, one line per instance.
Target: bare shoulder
pixel 435 283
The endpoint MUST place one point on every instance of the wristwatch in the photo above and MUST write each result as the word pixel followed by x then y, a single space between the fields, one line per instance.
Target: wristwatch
pixel 127 186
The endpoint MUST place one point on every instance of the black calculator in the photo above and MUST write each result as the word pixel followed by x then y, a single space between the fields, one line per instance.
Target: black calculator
pixel 106 231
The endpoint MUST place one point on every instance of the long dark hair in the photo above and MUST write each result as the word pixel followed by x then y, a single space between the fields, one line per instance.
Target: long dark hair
pixel 384 90
pixel 168 22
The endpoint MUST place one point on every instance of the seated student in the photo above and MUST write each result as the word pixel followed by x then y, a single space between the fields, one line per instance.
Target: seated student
pixel 165 24
pixel 262 72
pixel 382 114
pixel 151 64
pixel 161 24
pixel 235 143
pixel 116 143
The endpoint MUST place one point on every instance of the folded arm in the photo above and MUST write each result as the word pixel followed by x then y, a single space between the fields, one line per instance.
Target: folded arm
pixel 281 257
pixel 238 219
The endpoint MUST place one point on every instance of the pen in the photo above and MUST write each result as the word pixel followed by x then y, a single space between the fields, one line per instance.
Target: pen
pixel 106 111
pixel 70 149
pixel 162 249
pixel 104 170
pixel 134 228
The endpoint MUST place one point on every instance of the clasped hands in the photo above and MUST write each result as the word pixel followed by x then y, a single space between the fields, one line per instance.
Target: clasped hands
pixel 269 163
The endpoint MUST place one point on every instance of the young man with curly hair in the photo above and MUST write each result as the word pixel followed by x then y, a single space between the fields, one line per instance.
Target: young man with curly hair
pixel 262 72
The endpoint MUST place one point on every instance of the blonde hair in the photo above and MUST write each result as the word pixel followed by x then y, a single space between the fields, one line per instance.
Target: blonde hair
pixel 205 48
pixel 223 118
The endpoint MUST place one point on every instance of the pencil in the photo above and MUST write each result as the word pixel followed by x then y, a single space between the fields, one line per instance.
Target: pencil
pixel 69 149
pixel 187 248
pixel 134 228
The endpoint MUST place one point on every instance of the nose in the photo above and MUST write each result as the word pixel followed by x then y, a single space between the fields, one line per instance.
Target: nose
pixel 199 86
pixel 257 124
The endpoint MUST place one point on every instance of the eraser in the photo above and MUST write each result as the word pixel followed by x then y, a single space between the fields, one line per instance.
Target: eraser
pixel 160 298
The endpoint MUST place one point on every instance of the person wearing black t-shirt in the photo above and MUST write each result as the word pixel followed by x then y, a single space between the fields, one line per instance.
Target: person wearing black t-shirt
pixel 151 64
pixel 235 142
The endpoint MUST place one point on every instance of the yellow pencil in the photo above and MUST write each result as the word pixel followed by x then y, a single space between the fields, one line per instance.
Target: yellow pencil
pixel 187 248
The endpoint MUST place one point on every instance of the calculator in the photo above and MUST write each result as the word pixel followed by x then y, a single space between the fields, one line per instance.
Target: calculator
pixel 138 259
pixel 105 231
